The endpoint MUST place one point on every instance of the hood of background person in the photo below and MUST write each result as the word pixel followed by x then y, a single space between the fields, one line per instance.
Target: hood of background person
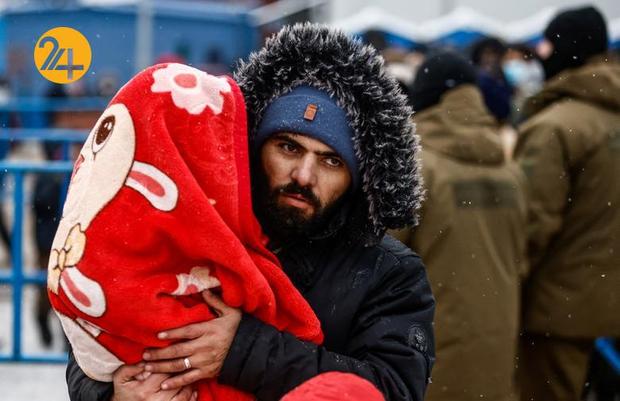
pixel 354 75
pixel 461 127
pixel 576 35
pixel 440 73
pixel 487 54
pixel 597 82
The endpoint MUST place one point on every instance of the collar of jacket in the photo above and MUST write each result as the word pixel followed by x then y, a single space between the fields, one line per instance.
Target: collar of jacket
pixel 596 82
pixel 460 127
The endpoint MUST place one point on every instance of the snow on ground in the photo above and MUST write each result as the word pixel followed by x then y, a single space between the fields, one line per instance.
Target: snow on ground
pixel 29 382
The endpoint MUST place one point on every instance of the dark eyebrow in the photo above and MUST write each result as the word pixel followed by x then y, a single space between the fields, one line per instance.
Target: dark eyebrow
pixel 285 137
pixel 288 138
pixel 328 154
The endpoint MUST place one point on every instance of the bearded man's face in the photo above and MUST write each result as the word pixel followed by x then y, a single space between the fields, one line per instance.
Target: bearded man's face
pixel 300 186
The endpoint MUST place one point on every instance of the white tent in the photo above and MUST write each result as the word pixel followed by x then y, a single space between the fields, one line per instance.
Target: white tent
pixel 460 19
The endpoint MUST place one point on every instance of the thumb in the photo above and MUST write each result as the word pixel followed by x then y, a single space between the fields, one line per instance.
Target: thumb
pixel 126 373
pixel 215 302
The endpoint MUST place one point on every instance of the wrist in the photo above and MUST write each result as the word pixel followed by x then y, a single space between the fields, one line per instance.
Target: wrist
pixel 239 350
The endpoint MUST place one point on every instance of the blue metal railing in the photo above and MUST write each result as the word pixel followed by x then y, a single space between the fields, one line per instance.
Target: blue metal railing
pixel 41 104
pixel 605 347
pixel 31 109
pixel 65 137
pixel 17 278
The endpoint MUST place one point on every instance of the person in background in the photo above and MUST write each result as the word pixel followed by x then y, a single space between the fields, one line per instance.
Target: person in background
pixel 569 148
pixel 472 234
pixel 487 55
pixel 524 73
pixel 403 64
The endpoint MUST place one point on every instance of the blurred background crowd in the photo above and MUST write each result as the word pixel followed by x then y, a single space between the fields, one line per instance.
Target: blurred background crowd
pixel 479 84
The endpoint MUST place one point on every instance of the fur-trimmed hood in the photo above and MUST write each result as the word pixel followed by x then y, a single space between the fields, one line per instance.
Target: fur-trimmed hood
pixel 354 74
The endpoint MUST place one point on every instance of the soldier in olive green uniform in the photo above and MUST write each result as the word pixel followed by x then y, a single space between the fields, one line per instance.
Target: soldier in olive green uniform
pixel 569 149
pixel 472 234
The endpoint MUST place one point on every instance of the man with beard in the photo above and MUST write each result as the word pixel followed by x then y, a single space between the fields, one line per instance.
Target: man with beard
pixel 334 167
pixel 569 148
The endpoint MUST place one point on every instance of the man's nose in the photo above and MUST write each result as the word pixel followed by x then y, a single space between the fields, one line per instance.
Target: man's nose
pixel 305 172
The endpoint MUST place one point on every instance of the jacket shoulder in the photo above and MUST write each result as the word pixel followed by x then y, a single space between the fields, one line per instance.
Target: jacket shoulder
pixel 579 126
pixel 563 115
pixel 396 258
pixel 396 249
pixel 389 257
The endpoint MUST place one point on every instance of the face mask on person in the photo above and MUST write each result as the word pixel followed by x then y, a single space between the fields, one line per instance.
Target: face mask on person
pixel 527 76
pixel 515 72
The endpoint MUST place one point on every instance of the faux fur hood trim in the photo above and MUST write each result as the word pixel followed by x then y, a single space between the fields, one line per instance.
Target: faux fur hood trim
pixel 353 73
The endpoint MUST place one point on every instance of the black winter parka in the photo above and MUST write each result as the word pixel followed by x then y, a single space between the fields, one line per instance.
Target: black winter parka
pixel 376 310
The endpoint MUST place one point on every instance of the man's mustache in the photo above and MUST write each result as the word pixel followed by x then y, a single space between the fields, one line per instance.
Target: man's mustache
pixel 295 189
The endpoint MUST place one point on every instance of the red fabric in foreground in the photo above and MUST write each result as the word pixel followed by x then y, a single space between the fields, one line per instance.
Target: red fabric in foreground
pixel 159 208
pixel 335 386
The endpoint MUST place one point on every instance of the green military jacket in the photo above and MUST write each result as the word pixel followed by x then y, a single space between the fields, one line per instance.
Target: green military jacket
pixel 472 238
pixel 570 151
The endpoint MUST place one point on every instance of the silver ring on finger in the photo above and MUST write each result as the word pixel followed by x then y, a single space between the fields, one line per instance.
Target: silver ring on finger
pixel 187 363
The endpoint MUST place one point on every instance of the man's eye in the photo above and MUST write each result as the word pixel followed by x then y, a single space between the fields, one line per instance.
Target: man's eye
pixel 333 162
pixel 288 147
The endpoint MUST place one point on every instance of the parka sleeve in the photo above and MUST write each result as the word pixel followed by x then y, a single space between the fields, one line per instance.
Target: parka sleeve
pixel 391 344
pixel 82 387
pixel 543 157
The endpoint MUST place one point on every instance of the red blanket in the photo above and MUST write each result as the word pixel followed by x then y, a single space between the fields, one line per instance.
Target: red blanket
pixel 159 209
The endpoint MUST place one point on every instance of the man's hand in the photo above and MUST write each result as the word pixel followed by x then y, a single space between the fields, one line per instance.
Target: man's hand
pixel 204 351
pixel 132 383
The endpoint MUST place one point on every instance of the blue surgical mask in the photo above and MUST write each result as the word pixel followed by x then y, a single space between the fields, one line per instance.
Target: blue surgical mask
pixel 515 72
pixel 525 75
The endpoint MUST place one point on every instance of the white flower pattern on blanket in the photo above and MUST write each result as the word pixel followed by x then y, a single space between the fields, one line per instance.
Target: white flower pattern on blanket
pixel 198 280
pixel 191 89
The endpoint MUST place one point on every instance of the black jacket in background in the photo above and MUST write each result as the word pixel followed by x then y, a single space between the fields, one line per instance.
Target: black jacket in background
pixel 376 310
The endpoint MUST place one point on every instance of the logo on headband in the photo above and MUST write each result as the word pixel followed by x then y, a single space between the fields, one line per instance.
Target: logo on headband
pixel 62 55
pixel 310 112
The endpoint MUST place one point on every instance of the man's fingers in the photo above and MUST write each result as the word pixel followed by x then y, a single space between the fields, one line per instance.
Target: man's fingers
pixel 185 394
pixel 215 302
pixel 171 366
pixel 178 350
pixel 154 380
pixel 143 376
pixel 185 379
pixel 190 332
pixel 126 373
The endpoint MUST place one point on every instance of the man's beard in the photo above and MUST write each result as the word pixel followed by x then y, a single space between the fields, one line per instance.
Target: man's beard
pixel 288 223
